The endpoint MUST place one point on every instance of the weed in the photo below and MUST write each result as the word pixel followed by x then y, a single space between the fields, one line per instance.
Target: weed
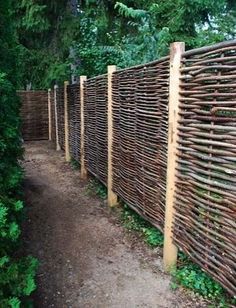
pixel 97 187
pixel 153 236
pixel 75 164
pixel 132 221
pixel 191 276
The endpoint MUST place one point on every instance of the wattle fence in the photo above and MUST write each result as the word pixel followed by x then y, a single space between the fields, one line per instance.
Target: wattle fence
pixel 205 198
pixel 96 127
pixel 140 117
pixel 162 137
pixel 34 113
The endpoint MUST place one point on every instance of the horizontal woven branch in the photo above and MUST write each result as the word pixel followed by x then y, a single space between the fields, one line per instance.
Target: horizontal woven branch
pixel 205 220
pixel 60 116
pixel 34 114
pixel 95 114
pixel 140 100
pixel 74 113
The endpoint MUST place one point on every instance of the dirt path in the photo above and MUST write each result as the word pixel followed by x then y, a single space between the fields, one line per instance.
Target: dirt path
pixel 87 258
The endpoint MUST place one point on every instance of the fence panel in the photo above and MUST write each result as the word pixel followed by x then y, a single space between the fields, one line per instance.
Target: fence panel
pixel 140 100
pixel 95 113
pixel 53 125
pixel 61 116
pixel 205 226
pixel 74 120
pixel 34 114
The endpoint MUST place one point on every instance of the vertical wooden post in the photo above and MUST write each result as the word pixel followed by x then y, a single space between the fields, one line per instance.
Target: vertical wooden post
pixel 58 147
pixel 83 171
pixel 49 116
pixel 170 250
pixel 66 120
pixel 111 196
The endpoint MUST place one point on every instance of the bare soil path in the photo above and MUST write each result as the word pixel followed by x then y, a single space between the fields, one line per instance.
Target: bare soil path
pixel 87 258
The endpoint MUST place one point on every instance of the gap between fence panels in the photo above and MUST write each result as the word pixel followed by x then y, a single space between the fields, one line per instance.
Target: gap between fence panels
pixel 117 127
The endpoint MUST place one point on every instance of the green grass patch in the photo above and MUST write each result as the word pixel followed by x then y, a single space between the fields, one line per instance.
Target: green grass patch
pixel 134 222
pixel 97 187
pixel 75 164
pixel 191 276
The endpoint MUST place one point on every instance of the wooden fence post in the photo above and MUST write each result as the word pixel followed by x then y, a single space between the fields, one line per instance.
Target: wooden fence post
pixel 58 147
pixel 170 250
pixel 111 196
pixel 83 171
pixel 49 116
pixel 66 120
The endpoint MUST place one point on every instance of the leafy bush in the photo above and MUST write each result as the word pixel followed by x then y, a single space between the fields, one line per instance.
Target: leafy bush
pixel 16 274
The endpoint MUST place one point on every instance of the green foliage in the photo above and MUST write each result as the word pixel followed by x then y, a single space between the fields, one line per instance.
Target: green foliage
pixel 153 236
pixel 75 164
pixel 130 12
pixel 33 17
pixel 141 31
pixel 133 221
pixel 88 48
pixel 191 276
pixel 17 278
pixel 102 32
pixel 97 187
pixel 16 274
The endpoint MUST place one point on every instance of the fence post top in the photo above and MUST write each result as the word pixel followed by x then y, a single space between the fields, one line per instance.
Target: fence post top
pixel 83 77
pixel 111 69
pixel 177 43
pixel 55 86
pixel 177 47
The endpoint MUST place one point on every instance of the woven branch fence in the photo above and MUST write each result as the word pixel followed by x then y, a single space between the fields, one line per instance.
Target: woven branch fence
pixel 34 114
pixel 74 114
pixel 52 119
pixel 59 94
pixel 95 114
pixel 205 219
pixel 162 137
pixel 140 99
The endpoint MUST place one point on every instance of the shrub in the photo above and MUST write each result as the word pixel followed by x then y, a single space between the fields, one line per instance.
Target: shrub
pixel 16 274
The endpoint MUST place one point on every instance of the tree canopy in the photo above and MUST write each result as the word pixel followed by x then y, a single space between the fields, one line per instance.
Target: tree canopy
pixel 102 32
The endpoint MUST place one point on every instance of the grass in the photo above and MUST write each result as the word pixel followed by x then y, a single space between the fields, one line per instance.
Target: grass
pixel 191 276
pixel 134 222
pixel 97 187
pixel 75 164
